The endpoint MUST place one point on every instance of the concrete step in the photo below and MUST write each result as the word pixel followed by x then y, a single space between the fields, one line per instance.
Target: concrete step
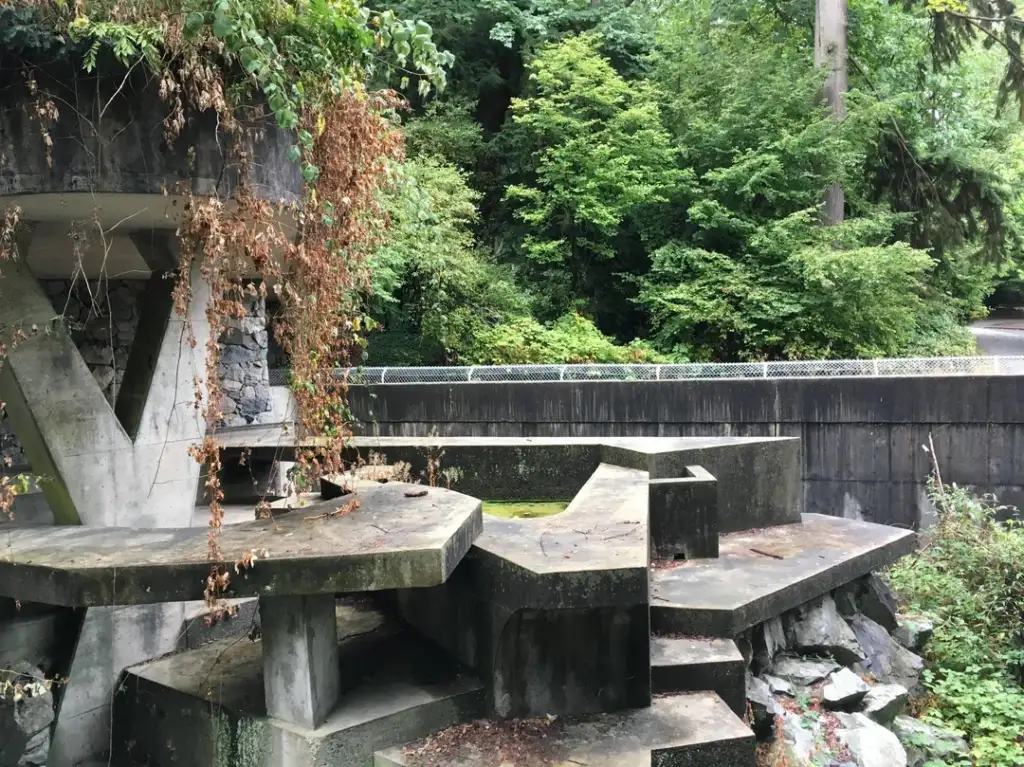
pixel 687 730
pixel 695 664
pixel 205 707
pixel 762 573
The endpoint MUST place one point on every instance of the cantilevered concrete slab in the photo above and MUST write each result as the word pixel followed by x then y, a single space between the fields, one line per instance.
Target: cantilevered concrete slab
pixel 692 730
pixel 762 573
pixel 398 537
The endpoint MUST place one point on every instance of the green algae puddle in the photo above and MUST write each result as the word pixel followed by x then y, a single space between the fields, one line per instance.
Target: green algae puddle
pixel 523 509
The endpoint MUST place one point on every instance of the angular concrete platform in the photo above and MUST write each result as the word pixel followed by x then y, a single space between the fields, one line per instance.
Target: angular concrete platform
pixel 694 664
pixel 691 730
pixel 762 573
pixel 205 707
pixel 390 541
pixel 529 588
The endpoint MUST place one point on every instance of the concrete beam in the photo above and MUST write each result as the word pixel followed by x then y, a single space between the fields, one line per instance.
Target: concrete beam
pixel 301 676
pixel 684 516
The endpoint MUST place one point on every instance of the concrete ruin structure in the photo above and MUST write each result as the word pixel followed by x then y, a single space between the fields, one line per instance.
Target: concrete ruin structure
pixel 632 628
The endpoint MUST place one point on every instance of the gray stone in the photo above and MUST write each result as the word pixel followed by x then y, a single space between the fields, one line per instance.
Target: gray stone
pixel 231 385
pixel 816 628
pixel 763 706
pixel 26 712
pixel 878 602
pixel 926 743
pixel 98 355
pixel 104 375
pixel 844 690
pixel 845 598
pixel 884 702
pixel 913 633
pixel 800 741
pixel 870 744
pixel 768 639
pixel 887 661
pixel 800 671
pixel 778 686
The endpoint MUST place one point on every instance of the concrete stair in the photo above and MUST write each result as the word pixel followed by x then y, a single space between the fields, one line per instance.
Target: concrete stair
pixel 694 664
pixel 683 730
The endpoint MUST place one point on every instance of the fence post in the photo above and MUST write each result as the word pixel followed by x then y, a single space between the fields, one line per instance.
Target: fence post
pixel 469 375
pixel 383 372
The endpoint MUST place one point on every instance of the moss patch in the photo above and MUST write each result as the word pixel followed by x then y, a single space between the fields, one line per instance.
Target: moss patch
pixel 523 509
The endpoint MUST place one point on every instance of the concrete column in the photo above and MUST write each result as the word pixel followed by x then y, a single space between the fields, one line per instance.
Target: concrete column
pixel 301 675
pixel 683 515
pixel 104 471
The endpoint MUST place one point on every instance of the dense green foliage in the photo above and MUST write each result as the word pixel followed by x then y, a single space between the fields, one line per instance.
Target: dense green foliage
pixel 969 579
pixel 642 180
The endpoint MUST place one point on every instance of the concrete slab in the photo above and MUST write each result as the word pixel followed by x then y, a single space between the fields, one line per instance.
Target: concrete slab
pixel 205 707
pixel 691 730
pixel 695 664
pixel 390 541
pixel 762 573
pixel 683 513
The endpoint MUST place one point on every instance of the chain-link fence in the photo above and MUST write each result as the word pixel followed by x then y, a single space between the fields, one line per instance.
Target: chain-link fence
pixel 922 366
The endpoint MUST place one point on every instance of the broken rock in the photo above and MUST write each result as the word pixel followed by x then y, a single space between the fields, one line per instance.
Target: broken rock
pixel 926 743
pixel 800 671
pixel 817 628
pixel 763 706
pixel 878 602
pixel 887 661
pixel 870 744
pixel 844 690
pixel 914 633
pixel 26 713
pixel 884 702
pixel 800 740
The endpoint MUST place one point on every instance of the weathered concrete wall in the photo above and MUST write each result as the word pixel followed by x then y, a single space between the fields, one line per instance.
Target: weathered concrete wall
pixel 862 438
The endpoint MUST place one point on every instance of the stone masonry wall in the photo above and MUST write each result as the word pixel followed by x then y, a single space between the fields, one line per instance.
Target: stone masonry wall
pixel 103 318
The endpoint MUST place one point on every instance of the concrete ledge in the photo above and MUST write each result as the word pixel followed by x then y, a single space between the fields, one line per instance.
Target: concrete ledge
pixel 694 664
pixel 390 541
pixel 694 730
pixel 763 573
pixel 684 515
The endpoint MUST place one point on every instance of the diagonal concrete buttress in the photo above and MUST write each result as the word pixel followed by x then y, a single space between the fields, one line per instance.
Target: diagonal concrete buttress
pixel 102 466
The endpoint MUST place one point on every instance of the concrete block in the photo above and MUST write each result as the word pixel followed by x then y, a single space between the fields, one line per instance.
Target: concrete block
pixel 684 516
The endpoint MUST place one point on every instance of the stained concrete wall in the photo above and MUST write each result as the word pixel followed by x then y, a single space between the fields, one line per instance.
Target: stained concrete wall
pixel 862 438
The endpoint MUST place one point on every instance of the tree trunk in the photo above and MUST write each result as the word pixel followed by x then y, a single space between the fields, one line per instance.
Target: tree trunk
pixel 830 52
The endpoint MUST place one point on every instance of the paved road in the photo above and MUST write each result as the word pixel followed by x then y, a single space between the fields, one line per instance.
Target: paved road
pixel 999 337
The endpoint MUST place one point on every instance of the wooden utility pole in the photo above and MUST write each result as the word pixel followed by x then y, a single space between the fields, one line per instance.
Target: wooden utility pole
pixel 830 52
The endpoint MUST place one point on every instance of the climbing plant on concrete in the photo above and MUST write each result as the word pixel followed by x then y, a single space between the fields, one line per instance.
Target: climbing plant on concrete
pixel 313 67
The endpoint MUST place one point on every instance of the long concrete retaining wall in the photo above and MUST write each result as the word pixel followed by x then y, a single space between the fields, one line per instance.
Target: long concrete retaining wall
pixel 863 439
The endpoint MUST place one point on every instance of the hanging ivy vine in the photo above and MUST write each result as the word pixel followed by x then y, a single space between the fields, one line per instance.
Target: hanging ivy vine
pixel 318 67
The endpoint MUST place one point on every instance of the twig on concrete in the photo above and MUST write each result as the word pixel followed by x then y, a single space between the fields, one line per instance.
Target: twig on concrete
pixel 767 554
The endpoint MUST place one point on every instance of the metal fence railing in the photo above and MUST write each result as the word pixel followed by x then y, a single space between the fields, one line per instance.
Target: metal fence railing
pixel 903 367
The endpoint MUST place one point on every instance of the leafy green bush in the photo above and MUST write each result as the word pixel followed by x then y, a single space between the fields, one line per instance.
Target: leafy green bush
pixel 969 579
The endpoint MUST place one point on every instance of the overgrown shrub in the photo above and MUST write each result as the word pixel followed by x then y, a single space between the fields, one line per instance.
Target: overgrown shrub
pixel 969 580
